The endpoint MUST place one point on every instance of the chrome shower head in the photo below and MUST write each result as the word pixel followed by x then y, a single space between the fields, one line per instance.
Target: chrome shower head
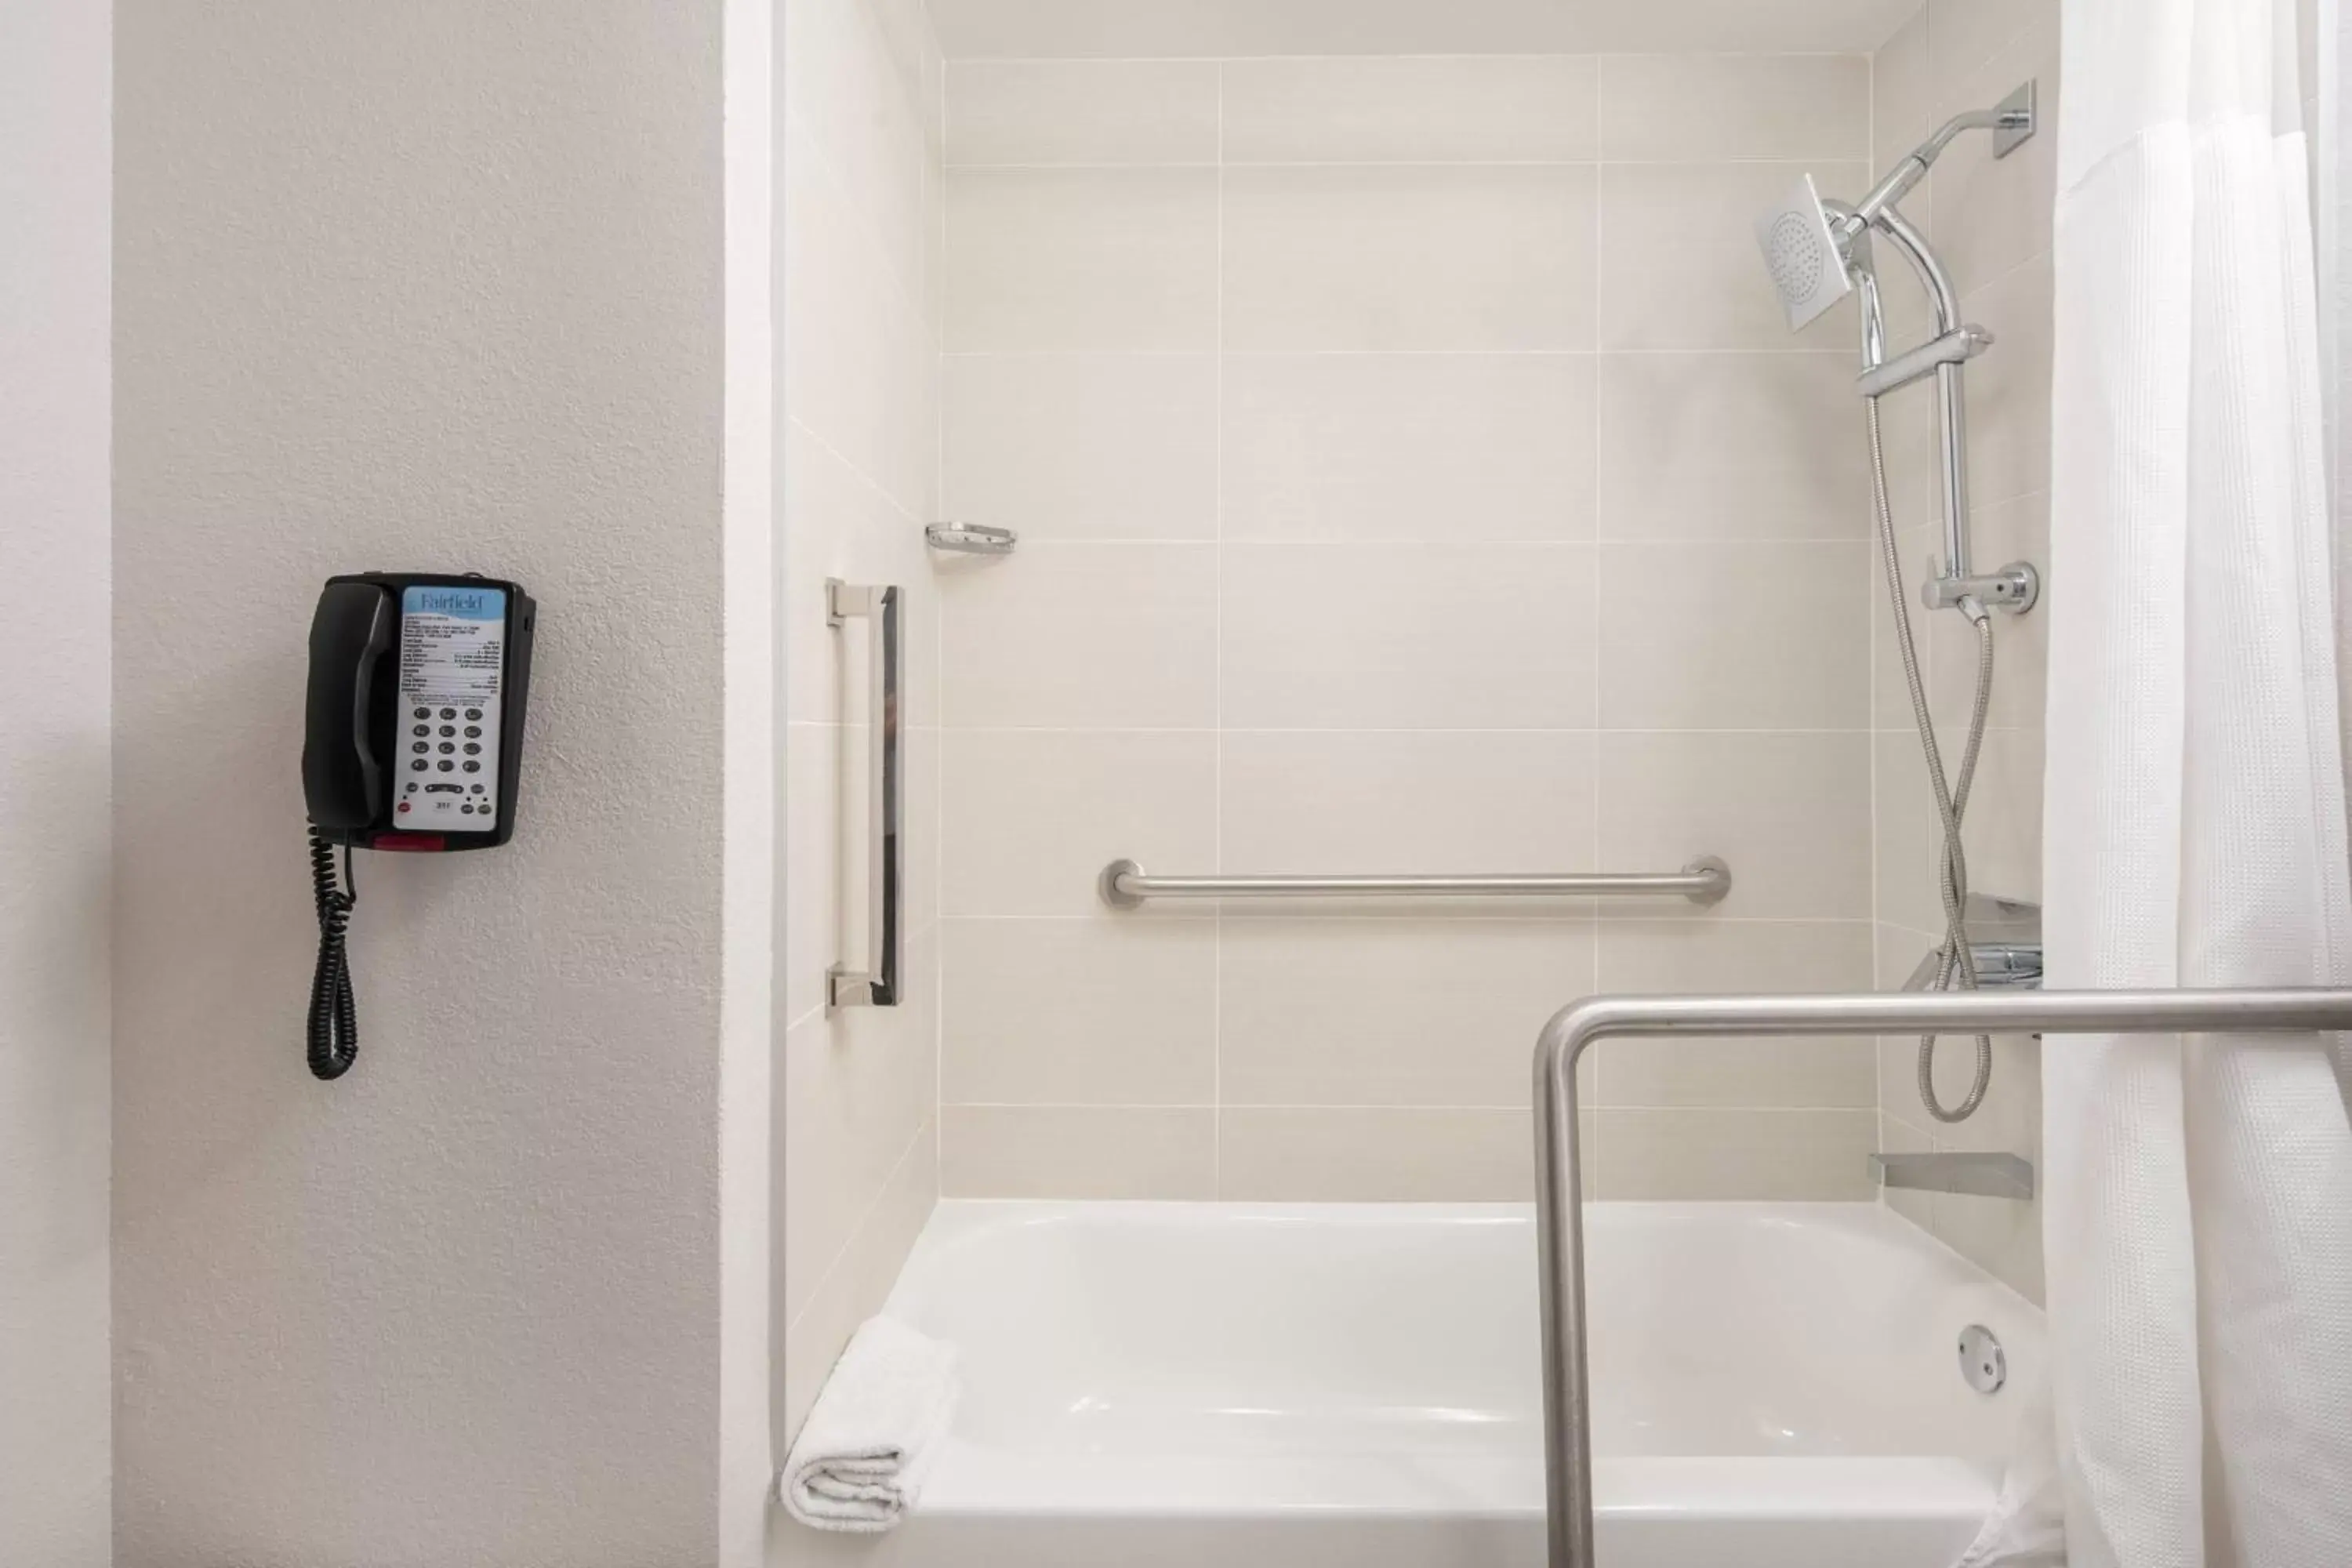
pixel 1804 255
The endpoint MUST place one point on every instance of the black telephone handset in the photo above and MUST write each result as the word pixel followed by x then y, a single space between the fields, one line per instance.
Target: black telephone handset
pixel 413 742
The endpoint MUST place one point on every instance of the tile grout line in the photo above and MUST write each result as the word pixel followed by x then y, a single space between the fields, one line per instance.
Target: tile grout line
pixel 1599 642
pixel 939 667
pixel 1217 636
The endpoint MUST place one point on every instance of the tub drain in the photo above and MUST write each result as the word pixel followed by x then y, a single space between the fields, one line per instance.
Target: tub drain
pixel 1982 1363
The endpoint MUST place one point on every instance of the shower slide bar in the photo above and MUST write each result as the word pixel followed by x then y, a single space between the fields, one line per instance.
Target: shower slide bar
pixel 1559 1222
pixel 1124 885
pixel 876 986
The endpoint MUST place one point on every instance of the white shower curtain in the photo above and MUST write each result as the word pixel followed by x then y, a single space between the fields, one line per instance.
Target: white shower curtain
pixel 2198 1207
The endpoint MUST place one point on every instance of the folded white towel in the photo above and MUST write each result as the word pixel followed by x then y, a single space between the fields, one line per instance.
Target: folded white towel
pixel 880 1421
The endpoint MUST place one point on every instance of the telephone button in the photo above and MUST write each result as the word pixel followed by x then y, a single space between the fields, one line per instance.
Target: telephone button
pixel 473 767
pixel 419 765
pixel 421 746
pixel 473 732
pixel 425 713
pixel 473 748
pixel 422 729
pixel 473 713
pixel 449 746
pixel 448 713
pixel 447 766
pixel 448 729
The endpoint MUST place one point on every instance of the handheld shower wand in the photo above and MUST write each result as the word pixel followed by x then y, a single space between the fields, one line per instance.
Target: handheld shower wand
pixel 1817 252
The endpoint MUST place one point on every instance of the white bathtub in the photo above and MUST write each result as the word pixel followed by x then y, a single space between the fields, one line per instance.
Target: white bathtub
pixel 1776 1386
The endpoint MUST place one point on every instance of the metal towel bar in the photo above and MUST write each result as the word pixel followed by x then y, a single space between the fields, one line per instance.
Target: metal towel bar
pixel 1559 1221
pixel 1124 885
pixel 876 986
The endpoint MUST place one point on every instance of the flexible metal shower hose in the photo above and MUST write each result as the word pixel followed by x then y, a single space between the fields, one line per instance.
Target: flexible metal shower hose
pixel 1956 966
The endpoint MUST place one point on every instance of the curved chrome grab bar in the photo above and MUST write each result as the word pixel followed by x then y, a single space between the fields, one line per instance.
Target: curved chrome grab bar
pixel 1559 1220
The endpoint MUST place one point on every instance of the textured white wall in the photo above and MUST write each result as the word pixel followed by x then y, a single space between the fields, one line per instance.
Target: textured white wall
pixel 53 784
pixel 440 286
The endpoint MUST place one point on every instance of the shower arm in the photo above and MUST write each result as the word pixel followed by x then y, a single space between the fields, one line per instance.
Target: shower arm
pixel 2011 120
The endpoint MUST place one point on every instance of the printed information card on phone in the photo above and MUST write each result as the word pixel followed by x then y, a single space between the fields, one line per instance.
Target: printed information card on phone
pixel 452 654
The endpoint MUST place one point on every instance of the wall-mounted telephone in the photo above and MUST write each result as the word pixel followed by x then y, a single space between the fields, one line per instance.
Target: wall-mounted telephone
pixel 414 741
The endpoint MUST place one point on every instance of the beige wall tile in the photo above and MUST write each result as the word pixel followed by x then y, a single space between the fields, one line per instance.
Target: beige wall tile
pixel 2008 386
pixel 1736 956
pixel 1969 32
pixel 860 368
pixel 1776 1155
pixel 1031 817
pixel 855 91
pixel 1396 448
pixel 1687 107
pixel 1402 256
pixel 2004 828
pixel 808 869
pixel 1366 803
pixel 1408 636
pixel 1095 1010
pixel 1408 1011
pixel 1427 110
pixel 1731 446
pixel 1102 636
pixel 1083 446
pixel 1032 112
pixel 1992 214
pixel 854 1286
pixel 851 1089
pixel 1314 1156
pixel 837 524
pixel 1909 835
pixel 1890 693
pixel 1902 90
pixel 1679 268
pixel 1086 1151
pixel 1899 1137
pixel 1735 637
pixel 1790 813
pixel 1082 259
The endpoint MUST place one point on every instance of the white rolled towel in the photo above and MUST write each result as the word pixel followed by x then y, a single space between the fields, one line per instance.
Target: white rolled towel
pixel 878 1423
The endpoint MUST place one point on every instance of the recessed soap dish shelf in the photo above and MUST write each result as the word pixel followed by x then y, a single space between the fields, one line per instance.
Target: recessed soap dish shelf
pixel 970 539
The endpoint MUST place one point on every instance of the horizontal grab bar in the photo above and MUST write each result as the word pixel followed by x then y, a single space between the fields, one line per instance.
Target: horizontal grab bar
pixel 1559 1214
pixel 1124 885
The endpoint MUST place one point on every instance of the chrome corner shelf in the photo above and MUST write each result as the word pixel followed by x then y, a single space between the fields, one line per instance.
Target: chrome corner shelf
pixel 1124 885
pixel 970 539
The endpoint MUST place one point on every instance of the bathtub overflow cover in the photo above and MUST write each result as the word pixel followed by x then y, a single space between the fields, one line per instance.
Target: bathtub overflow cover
pixel 1981 1360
